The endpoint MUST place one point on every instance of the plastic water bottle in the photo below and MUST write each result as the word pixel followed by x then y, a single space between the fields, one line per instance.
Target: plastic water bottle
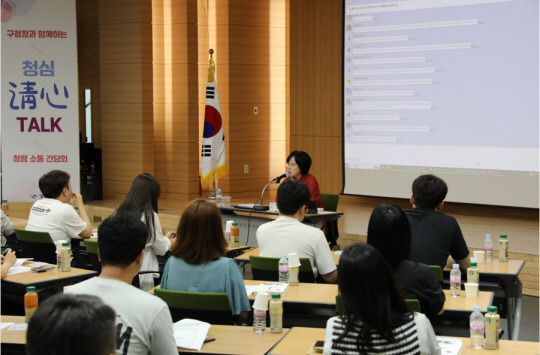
pixel 455 281
pixel 219 198
pixel 476 323
pixel 259 320
pixel 488 247
pixel 283 268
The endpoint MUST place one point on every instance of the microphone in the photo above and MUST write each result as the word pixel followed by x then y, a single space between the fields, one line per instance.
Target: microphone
pixel 262 207
pixel 285 175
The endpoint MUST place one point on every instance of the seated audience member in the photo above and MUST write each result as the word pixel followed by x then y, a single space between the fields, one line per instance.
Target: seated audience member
pixel 198 262
pixel 55 327
pixel 298 165
pixel 373 317
pixel 8 261
pixel 142 202
pixel 54 214
pixel 8 229
pixel 434 235
pixel 143 321
pixel 287 234
pixel 389 233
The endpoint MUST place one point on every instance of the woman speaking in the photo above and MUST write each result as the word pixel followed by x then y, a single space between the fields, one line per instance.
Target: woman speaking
pixel 298 165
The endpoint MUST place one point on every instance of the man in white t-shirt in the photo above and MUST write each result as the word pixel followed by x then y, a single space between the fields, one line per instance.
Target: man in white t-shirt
pixel 54 214
pixel 287 234
pixel 143 321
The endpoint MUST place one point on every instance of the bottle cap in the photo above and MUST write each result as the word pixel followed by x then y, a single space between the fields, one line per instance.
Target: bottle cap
pixel 235 223
pixel 4 201
pixel 31 289
pixel 276 296
pixel 219 189
pixel 455 266
pixel 473 263
pixel 503 236
pixel 488 235
pixel 492 309
pixel 476 308
pixel 283 256
pixel 65 244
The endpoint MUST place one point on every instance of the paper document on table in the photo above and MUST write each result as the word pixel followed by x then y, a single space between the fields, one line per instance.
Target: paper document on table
pixel 248 206
pixel 450 346
pixel 251 289
pixel 19 326
pixel 38 264
pixel 338 252
pixel 273 287
pixel 190 333
pixel 94 235
pixel 20 261
pixel 5 325
pixel 18 269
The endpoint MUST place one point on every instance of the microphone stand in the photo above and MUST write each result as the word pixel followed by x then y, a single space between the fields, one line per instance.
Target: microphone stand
pixel 261 207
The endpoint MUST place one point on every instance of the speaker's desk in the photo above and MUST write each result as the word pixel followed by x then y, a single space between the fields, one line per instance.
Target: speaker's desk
pixel 249 220
pixel 502 278
pixel 300 341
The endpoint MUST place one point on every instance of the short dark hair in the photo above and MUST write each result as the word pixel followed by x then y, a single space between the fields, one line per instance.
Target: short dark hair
pixel 121 240
pixel 55 327
pixel 369 295
pixel 390 233
pixel 53 183
pixel 429 191
pixel 302 159
pixel 291 195
pixel 200 233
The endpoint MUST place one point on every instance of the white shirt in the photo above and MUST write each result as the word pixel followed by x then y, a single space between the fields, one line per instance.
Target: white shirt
pixel 144 320
pixel 287 235
pixel 57 218
pixel 159 246
pixel 7 227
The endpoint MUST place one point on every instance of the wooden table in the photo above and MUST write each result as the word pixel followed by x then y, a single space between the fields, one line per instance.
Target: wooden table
pixel 255 252
pixel 229 339
pixel 14 286
pixel 300 341
pixel 502 278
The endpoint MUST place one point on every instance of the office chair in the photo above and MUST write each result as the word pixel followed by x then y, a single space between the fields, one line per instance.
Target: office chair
pixel 267 269
pixel 213 308
pixel 413 304
pixel 92 250
pixel 37 245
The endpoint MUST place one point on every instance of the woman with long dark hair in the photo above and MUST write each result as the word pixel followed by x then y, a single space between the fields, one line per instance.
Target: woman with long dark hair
pixel 374 318
pixel 142 202
pixel 198 262
pixel 389 232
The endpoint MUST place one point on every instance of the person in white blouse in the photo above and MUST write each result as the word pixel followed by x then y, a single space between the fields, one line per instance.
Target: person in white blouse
pixel 142 202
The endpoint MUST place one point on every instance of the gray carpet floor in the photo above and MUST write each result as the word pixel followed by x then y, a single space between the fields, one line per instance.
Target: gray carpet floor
pixel 528 330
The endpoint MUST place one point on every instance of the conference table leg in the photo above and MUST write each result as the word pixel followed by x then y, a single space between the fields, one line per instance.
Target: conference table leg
pixel 513 288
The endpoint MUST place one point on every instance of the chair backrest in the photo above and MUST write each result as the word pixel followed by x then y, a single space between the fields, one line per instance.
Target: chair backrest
pixel 37 245
pixel 437 272
pixel 330 202
pixel 213 308
pixel 413 304
pixel 92 250
pixel 264 268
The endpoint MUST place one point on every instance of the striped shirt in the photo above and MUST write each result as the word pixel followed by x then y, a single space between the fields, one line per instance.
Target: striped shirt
pixel 405 336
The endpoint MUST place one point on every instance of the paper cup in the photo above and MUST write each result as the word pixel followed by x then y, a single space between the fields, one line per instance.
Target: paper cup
pixel 228 226
pixel 471 289
pixel 261 301
pixel 293 275
pixel 273 206
pixel 293 260
pixel 480 256
pixel 319 209
pixel 226 201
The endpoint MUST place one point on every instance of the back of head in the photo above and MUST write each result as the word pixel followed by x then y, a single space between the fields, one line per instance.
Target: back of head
pixel 389 232
pixel 200 233
pixel 291 195
pixel 302 159
pixel 121 240
pixel 368 290
pixel 429 191
pixel 55 327
pixel 52 183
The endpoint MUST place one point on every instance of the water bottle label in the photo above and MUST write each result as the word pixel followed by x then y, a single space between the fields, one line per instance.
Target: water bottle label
pixel 489 249
pixel 455 281
pixel 259 313
pixel 282 269
pixel 477 329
